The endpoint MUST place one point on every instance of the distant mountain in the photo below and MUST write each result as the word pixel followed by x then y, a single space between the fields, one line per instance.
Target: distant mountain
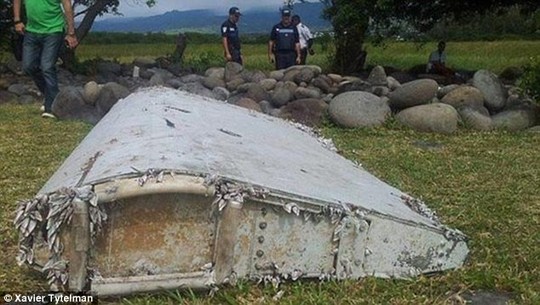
pixel 208 21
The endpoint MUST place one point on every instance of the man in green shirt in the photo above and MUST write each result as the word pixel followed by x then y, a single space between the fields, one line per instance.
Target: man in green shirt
pixel 44 33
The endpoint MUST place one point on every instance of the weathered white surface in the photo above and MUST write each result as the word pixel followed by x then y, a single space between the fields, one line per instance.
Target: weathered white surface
pixel 170 129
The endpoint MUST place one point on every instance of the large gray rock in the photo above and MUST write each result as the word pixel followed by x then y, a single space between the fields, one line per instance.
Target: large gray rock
pixel 308 111
pixel 109 95
pixel 310 92
pixel 19 89
pixel 377 77
pixel 305 76
pixel 437 118
pixel 268 83
pixel 266 107
pixel 191 78
pixel 358 109
pixel 290 75
pixel 475 119
pixel 217 72
pixel 353 85
pixel 232 70
pixel 257 93
pixel 221 94
pixel 277 75
pixel 69 104
pixel 248 103
pixel 281 96
pixel 253 76
pixel 464 96
pixel 492 88
pixel 196 88
pixel 211 82
pixel 6 97
pixel 446 89
pixel 233 84
pixel 514 120
pixel 393 83
pixel 417 92
pixel 322 82
pixel 91 92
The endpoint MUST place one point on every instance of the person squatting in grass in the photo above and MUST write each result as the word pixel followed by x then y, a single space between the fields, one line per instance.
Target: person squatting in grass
pixel 284 44
pixel 437 65
pixel 231 38
pixel 306 39
pixel 44 33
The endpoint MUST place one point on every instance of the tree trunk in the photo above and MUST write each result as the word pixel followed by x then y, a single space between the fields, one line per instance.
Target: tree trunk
pixel 181 44
pixel 68 56
pixel 350 55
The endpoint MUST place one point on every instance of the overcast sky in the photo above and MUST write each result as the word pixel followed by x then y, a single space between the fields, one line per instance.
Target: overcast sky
pixel 130 8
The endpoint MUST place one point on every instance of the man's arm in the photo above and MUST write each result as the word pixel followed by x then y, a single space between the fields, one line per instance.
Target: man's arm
pixel 271 43
pixel 271 56
pixel 71 38
pixel 19 25
pixel 228 55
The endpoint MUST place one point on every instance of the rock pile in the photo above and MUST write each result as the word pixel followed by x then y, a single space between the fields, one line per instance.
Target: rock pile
pixel 303 94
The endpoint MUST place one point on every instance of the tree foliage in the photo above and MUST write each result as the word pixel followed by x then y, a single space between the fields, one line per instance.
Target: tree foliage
pixel 352 20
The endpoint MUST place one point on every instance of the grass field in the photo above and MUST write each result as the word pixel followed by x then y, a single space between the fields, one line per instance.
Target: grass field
pixel 485 184
pixel 494 56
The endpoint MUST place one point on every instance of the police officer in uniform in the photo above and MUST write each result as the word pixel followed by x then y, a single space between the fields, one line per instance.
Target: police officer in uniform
pixel 284 44
pixel 231 39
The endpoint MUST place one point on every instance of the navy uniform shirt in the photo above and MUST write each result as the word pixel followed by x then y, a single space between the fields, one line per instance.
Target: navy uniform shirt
pixel 230 30
pixel 285 37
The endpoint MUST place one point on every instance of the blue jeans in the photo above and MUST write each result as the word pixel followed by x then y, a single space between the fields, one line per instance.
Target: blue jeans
pixel 40 52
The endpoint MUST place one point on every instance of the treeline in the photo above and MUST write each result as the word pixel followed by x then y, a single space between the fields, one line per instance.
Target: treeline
pixel 149 38
pixel 512 24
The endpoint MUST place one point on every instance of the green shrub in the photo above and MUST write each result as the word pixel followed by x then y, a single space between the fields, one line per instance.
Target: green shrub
pixel 530 80
pixel 204 60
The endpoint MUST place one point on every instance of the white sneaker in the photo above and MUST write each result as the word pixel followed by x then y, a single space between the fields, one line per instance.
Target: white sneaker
pixel 42 108
pixel 48 115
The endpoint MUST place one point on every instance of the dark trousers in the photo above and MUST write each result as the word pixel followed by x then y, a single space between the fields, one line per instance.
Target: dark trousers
pixel 236 56
pixel 303 56
pixel 285 59
pixel 40 52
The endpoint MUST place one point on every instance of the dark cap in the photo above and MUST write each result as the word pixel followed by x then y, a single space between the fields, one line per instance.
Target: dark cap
pixel 286 12
pixel 234 11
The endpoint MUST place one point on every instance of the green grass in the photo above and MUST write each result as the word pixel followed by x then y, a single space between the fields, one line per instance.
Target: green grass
pixel 494 56
pixel 485 184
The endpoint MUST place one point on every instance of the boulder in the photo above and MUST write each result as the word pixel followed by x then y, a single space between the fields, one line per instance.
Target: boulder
pixel 6 97
pixel 232 70
pixel 257 93
pixel 211 82
pixel 514 120
pixel 249 104
pixel 91 92
pixel 475 119
pixel 307 111
pixel 108 96
pixel 413 93
pixel 492 89
pixel 437 118
pixel 358 109
pixel 69 104
pixel 464 96
pixel 377 77
pixel 281 96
